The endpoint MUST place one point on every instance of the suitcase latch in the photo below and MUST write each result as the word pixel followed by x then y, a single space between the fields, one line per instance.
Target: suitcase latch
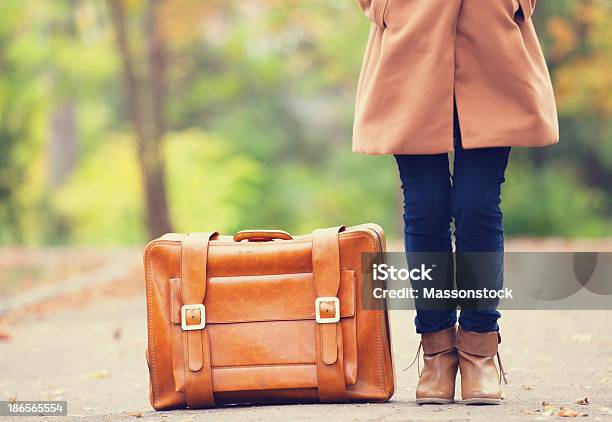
pixel 192 316
pixel 327 299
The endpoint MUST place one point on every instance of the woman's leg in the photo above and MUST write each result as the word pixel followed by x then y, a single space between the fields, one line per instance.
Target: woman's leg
pixel 479 232
pixel 479 236
pixel 426 189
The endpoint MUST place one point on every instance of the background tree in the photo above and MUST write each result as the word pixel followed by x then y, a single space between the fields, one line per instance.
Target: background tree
pixel 145 92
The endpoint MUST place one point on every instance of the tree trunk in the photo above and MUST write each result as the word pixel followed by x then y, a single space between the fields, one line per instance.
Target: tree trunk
pixel 147 116
pixel 63 142
pixel 157 69
pixel 62 145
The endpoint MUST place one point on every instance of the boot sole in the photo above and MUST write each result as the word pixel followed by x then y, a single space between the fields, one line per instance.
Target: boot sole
pixel 481 401
pixel 434 401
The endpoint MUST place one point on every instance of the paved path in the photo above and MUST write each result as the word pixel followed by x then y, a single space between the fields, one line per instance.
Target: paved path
pixel 94 357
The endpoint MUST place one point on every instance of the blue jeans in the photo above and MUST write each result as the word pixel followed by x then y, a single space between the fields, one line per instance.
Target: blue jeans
pixel 472 198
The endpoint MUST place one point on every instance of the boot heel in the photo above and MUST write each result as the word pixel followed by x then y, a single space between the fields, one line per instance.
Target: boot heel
pixel 434 401
pixel 479 401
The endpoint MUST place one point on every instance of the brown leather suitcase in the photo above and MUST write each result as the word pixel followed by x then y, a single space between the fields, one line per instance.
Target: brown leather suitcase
pixel 264 317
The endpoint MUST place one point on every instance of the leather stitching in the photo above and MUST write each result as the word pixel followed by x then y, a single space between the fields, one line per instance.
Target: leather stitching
pixel 149 286
pixel 245 321
pixel 151 349
pixel 381 372
pixel 265 365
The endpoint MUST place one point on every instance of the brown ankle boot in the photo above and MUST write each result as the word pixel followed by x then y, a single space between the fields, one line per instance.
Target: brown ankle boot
pixel 480 379
pixel 437 381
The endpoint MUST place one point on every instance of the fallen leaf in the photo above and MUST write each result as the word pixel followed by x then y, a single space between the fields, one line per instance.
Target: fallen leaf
pixel 545 403
pixel 100 374
pixel 567 412
pixel 526 387
pixel 581 338
pixel 4 336
pixel 54 394
pixel 582 401
pixel 549 410
pixel 135 414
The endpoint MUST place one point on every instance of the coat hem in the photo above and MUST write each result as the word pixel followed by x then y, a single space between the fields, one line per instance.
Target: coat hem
pixel 411 151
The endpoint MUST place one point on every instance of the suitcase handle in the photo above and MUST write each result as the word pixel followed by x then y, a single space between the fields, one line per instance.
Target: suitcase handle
pixel 261 235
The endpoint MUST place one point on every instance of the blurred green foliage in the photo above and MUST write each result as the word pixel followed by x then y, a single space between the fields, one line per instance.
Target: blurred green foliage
pixel 259 114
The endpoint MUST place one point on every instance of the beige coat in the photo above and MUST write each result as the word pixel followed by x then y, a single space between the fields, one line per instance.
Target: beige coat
pixel 420 52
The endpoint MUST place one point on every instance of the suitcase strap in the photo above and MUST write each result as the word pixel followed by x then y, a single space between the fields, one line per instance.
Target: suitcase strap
pixel 326 274
pixel 198 372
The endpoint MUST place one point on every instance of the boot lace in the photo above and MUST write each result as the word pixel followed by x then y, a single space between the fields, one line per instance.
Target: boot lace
pixel 502 372
pixel 417 360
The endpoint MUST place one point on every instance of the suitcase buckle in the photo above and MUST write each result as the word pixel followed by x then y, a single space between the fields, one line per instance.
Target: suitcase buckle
pixel 327 320
pixel 197 306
